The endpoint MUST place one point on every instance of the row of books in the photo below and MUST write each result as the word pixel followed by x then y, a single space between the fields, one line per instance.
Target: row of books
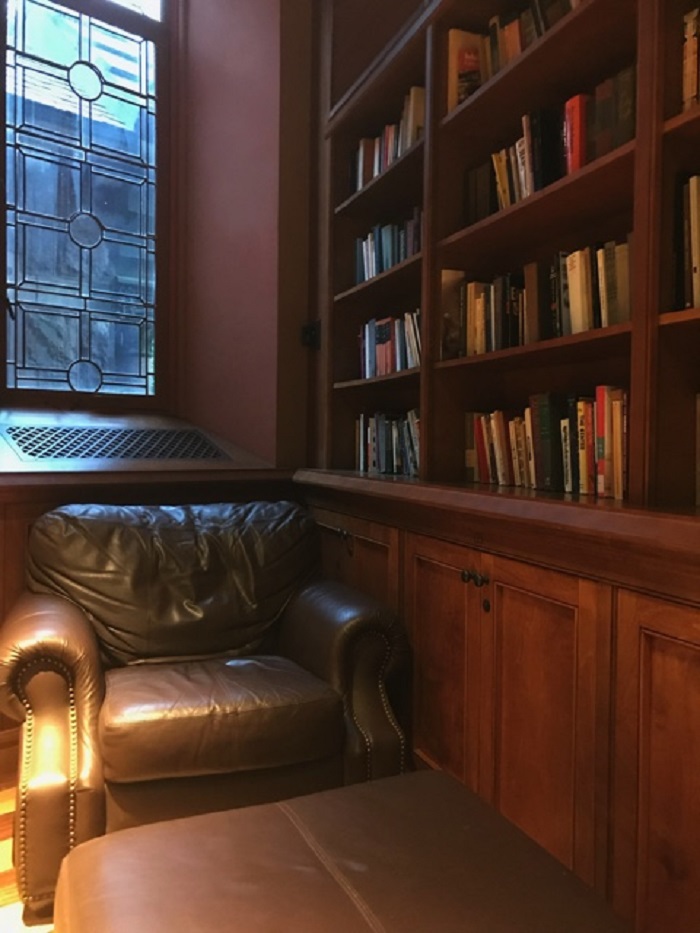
pixel 374 154
pixel 479 317
pixel 473 58
pixel 596 123
pixel 590 288
pixel 387 245
pixel 558 444
pixel 580 290
pixel 388 443
pixel 691 37
pixel 554 142
pixel 390 345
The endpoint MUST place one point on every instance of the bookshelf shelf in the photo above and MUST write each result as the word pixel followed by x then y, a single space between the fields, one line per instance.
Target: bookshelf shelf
pixel 406 375
pixel 387 192
pixel 572 350
pixel 403 276
pixel 604 186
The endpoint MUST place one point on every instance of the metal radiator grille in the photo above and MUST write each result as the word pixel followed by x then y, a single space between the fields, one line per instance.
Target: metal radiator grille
pixel 54 443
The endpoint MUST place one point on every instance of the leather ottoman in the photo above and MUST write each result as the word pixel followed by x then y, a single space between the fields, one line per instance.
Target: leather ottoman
pixel 411 854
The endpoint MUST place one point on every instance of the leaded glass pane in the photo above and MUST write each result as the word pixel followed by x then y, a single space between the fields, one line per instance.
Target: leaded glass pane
pixel 81 176
pixel 148 7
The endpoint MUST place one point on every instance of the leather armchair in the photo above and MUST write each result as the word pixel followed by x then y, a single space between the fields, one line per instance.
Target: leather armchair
pixel 171 660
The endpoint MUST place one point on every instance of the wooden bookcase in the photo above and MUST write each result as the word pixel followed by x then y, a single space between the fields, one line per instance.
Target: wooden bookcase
pixel 631 190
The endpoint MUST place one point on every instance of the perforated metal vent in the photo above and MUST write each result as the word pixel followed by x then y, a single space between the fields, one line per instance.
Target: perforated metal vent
pixel 38 442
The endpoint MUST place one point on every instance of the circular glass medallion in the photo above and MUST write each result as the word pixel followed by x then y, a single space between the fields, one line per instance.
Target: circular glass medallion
pixel 85 230
pixel 84 376
pixel 85 80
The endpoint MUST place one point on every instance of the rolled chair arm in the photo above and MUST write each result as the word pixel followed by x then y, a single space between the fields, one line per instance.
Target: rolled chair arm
pixel 51 679
pixel 351 640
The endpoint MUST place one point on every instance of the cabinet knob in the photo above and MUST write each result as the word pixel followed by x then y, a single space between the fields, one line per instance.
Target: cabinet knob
pixel 479 580
pixel 345 536
pixel 466 576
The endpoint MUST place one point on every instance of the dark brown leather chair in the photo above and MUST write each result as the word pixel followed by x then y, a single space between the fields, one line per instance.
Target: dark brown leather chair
pixel 172 660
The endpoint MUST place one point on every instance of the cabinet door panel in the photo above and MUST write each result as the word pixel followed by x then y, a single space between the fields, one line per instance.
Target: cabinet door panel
pixel 545 681
pixel 445 647
pixel 657 764
pixel 360 553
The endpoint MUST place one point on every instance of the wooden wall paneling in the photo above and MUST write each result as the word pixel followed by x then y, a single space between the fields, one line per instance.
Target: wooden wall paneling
pixel 545 654
pixel 656 844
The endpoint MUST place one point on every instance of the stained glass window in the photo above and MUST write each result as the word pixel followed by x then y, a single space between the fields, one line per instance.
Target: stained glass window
pixel 81 182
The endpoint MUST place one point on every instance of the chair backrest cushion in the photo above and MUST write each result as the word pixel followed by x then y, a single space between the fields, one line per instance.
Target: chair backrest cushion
pixel 175 581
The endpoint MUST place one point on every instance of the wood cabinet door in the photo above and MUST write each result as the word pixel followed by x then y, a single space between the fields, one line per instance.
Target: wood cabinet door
pixel 442 616
pixel 656 845
pixel 545 686
pixel 360 553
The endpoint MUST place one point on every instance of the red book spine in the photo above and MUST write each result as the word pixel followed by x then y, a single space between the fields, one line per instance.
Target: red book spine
pixel 575 131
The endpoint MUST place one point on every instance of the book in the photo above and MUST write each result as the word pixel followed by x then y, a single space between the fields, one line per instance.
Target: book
pixel 604 116
pixel 586 446
pixel 502 448
pixel 512 40
pixel 521 453
pixel 547 410
pixel 413 419
pixel 575 131
pixel 566 455
pixel 607 283
pixel 453 314
pixel 603 440
pixel 364 163
pixel 500 170
pixel 691 21
pixel 694 226
pixel 619 444
pixel 554 10
pixel 464 65
pixel 548 162
pixel 622 281
pixel 476 318
pixel 482 454
pixel 414 117
pixel 536 283
pixel 578 270
pixel 624 105
pixel 530 448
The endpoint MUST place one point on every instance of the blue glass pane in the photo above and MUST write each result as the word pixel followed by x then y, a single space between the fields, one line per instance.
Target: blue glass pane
pixel 49 258
pixel 52 188
pixel 51 34
pixel 119 203
pixel 80 219
pixel 52 340
pixel 117 270
pixel 116 347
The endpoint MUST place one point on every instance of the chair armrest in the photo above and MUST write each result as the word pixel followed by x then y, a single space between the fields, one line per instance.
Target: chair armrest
pixel 51 679
pixel 45 632
pixel 351 640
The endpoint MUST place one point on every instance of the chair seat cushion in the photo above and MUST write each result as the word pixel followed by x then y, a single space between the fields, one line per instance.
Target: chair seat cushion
pixel 215 716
